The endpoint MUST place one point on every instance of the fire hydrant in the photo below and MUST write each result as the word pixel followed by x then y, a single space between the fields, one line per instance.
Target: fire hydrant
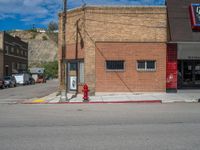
pixel 85 92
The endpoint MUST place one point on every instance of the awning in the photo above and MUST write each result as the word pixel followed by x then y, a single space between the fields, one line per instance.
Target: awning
pixel 189 50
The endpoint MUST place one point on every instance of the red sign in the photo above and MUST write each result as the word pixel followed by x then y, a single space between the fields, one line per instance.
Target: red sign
pixel 195 16
pixel 171 75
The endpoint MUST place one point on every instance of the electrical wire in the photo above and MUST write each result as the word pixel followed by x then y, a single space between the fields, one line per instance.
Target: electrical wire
pixel 106 59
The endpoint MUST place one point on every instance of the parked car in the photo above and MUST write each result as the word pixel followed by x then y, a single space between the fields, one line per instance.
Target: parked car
pixel 41 79
pixel 10 81
pixel 2 83
pixel 31 80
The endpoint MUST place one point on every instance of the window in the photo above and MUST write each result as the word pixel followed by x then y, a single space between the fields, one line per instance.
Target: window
pixel 72 66
pixel 146 65
pixel 18 66
pixel 17 51
pixel 6 49
pixel 22 52
pixel 13 65
pixel 12 50
pixel 116 65
pixel 81 73
pixel 25 53
pixel 23 66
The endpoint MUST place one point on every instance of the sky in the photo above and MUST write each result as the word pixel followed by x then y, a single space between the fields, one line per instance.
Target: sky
pixel 24 14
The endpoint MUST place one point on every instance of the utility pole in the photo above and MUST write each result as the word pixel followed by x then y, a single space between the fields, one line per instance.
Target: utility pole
pixel 63 64
pixel 76 56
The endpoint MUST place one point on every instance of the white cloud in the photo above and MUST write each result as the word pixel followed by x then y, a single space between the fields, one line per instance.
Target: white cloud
pixel 29 10
pixel 32 10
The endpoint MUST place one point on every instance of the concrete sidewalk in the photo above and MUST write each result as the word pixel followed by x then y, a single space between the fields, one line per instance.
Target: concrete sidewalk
pixel 181 96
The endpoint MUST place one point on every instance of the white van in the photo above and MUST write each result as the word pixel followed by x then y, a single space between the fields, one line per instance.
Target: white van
pixel 22 79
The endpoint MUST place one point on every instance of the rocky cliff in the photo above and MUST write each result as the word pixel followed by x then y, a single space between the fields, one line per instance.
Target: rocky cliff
pixel 42 46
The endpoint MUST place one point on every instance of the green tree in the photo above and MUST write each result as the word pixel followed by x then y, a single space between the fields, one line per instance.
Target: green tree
pixel 51 69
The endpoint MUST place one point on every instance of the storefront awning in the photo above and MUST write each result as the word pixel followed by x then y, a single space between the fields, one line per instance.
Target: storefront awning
pixel 189 50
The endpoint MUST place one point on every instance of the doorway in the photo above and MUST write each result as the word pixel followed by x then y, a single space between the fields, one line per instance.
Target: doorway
pixel 72 76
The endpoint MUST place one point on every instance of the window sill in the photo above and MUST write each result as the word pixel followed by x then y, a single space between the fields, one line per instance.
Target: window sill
pixel 146 70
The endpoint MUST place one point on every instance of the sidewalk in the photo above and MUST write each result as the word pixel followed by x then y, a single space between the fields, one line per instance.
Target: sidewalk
pixel 181 96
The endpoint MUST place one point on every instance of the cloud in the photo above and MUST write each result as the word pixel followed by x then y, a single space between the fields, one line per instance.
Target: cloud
pixel 29 10
pixel 32 11
pixel 3 16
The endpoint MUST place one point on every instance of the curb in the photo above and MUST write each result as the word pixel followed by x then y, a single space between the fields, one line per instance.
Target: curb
pixel 181 101
pixel 100 102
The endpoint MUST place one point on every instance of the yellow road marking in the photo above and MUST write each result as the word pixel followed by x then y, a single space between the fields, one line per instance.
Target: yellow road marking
pixel 38 101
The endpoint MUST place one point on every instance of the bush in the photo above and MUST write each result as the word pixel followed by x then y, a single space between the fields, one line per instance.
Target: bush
pixel 33 35
pixel 44 38
pixel 51 69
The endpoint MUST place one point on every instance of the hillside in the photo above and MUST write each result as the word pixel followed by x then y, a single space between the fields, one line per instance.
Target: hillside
pixel 42 46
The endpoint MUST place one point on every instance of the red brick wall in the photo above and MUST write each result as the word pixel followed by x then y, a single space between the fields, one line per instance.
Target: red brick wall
pixel 130 80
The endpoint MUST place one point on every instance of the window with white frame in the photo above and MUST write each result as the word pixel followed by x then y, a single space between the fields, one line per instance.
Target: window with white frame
pixel 146 65
pixel 115 65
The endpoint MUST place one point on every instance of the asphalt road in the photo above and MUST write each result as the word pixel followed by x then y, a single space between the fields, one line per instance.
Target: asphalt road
pixel 100 127
pixel 28 92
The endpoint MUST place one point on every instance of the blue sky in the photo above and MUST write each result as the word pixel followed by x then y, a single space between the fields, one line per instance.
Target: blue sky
pixel 22 14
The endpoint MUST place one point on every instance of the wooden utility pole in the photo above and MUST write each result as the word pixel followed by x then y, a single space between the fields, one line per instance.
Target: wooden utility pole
pixel 63 63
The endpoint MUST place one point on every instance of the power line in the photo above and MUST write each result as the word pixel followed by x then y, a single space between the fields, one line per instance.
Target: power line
pixel 106 59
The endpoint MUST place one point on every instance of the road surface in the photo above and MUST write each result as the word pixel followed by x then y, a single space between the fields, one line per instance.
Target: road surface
pixel 100 127
pixel 28 92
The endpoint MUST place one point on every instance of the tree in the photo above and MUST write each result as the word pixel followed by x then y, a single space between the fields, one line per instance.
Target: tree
pixel 52 26
pixel 51 69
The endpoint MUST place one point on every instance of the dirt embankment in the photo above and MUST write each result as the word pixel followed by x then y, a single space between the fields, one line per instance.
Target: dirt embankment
pixel 42 46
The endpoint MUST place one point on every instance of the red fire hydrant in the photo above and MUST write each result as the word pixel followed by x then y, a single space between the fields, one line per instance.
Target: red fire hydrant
pixel 85 92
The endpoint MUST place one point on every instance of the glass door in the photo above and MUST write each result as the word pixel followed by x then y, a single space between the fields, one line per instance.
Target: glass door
pixel 187 72
pixel 197 73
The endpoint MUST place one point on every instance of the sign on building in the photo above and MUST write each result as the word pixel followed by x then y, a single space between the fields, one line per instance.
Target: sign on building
pixel 195 16
pixel 73 83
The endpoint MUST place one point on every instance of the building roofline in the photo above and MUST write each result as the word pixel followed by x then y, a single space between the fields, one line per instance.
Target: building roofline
pixel 116 6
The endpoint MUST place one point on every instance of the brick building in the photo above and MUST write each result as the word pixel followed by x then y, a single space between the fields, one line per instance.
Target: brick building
pixel 13 55
pixel 116 49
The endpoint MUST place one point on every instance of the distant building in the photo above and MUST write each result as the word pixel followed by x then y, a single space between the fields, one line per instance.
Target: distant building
pixel 13 55
pixel 41 30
